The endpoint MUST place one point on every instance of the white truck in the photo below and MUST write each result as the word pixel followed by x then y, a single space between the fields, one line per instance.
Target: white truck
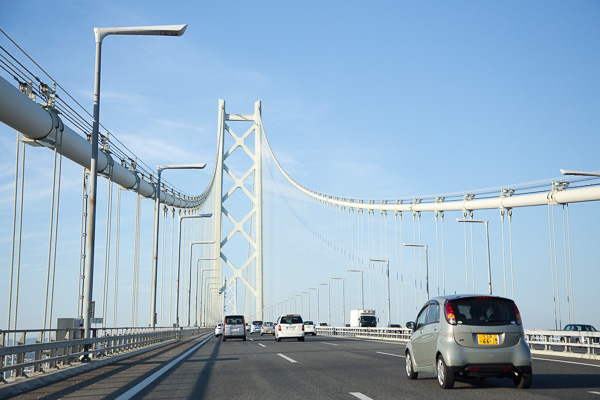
pixel 363 318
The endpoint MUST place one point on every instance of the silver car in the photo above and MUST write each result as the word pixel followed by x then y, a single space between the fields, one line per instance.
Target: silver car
pixel 233 327
pixel 464 336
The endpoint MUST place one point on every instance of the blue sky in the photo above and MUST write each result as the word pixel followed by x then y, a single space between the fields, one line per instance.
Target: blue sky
pixel 382 99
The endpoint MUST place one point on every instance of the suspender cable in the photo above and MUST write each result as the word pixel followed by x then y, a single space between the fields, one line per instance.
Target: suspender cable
pixel 503 250
pixel 437 252
pixel 136 264
pixel 570 264
pixel 117 255
pixel 472 254
pixel 415 260
pixel 107 250
pixel 566 265
pixel 552 257
pixel 466 259
pixel 443 257
pixel 512 275
pixel 164 262
pixel 82 248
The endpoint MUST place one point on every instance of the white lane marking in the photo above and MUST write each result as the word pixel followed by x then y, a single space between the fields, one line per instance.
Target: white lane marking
pixel 594 392
pixel 262 345
pixel 566 362
pixel 137 388
pixel 287 358
pixel 331 344
pixel 360 396
pixel 389 354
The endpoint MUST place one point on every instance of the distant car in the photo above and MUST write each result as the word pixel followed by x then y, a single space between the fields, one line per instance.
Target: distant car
pixel 289 326
pixel 395 326
pixel 255 327
pixel 309 327
pixel 469 336
pixel 247 327
pixel 268 328
pixel 219 329
pixel 233 327
pixel 323 324
pixel 580 328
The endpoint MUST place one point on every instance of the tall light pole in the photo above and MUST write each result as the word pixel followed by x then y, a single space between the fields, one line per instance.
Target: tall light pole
pixel 387 262
pixel 100 34
pixel 426 263
pixel 203 285
pixel 190 279
pixel 343 300
pixel 487 237
pixel 308 303
pixel 157 200
pixel 318 304
pixel 197 268
pixel 328 302
pixel 181 218
pixel 362 287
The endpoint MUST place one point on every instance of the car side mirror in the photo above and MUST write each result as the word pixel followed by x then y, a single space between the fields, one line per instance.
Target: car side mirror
pixel 410 325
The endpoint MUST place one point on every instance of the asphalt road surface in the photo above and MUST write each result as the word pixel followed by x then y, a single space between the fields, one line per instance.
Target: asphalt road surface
pixel 321 367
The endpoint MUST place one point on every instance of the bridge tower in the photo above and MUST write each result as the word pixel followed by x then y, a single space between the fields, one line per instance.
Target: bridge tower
pixel 238 195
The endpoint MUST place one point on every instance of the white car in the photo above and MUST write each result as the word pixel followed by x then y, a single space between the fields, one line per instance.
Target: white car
pixel 219 329
pixel 289 326
pixel 309 327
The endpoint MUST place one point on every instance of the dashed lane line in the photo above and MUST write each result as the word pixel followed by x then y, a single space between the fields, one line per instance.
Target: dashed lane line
pixel 389 354
pixel 261 345
pixel 360 396
pixel 286 357
pixel 331 344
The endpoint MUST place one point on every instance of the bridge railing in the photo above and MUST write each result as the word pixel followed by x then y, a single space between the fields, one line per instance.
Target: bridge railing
pixel 558 343
pixel 33 352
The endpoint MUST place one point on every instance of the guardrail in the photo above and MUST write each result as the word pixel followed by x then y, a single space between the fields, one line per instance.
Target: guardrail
pixel 558 343
pixel 19 360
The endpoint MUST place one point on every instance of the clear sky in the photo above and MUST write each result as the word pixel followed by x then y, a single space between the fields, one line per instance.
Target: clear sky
pixel 367 99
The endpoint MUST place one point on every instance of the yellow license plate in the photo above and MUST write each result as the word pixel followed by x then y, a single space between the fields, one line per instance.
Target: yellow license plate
pixel 488 339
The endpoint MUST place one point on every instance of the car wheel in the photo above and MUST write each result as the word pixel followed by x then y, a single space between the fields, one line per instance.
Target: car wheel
pixel 224 338
pixel 410 372
pixel 278 339
pixel 244 338
pixel 523 381
pixel 444 375
pixel 301 339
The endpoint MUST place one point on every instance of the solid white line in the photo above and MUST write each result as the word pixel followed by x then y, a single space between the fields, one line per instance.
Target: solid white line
pixel 137 388
pixel 594 392
pixel 262 345
pixel 566 362
pixel 331 344
pixel 360 396
pixel 389 354
pixel 287 358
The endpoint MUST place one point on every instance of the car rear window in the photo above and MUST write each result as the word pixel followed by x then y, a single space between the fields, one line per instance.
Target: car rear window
pixel 308 322
pixel 256 322
pixel 234 320
pixel 484 311
pixel 291 320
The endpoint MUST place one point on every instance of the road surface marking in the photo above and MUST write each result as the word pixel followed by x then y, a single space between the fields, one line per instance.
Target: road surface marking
pixel 262 345
pixel 594 392
pixel 287 358
pixel 566 362
pixel 331 344
pixel 140 386
pixel 389 354
pixel 360 396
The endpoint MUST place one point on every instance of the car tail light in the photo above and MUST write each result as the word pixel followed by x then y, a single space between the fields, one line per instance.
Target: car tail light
pixel 517 314
pixel 449 313
pixel 279 328
pixel 303 327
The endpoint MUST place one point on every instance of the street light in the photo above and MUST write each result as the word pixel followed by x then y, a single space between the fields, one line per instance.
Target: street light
pixel 388 286
pixel 181 218
pixel 308 303
pixel 343 301
pixel 202 292
pixel 426 263
pixel 362 287
pixel 100 34
pixel 329 302
pixel 318 304
pixel 190 279
pixel 157 200
pixel 203 285
pixel 487 237
pixel 196 301
pixel 581 173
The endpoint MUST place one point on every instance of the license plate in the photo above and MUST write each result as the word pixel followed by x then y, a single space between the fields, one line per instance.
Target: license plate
pixel 488 339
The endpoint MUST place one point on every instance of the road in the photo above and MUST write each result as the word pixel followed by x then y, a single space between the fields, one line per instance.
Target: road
pixel 321 367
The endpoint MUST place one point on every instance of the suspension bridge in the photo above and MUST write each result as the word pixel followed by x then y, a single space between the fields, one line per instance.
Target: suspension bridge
pixel 166 265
